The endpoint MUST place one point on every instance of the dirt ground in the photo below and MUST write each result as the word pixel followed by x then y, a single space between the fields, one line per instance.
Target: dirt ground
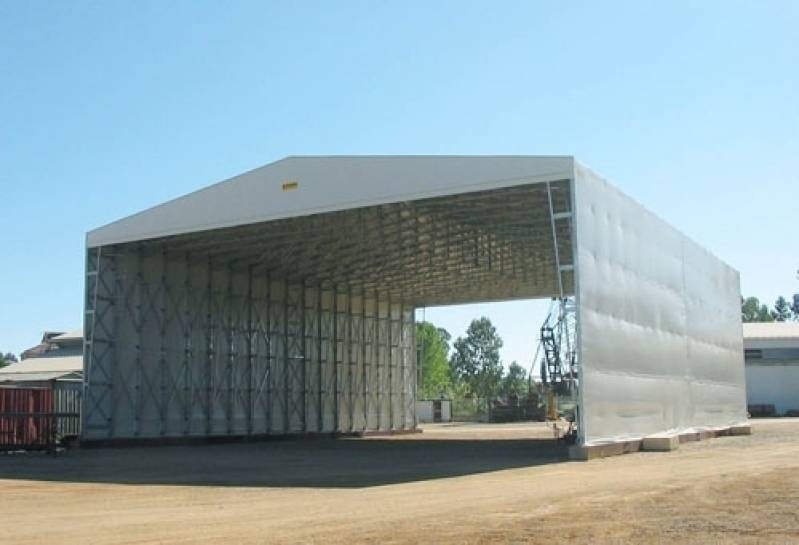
pixel 450 484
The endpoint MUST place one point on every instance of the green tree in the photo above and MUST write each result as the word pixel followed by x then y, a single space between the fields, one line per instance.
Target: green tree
pixel 475 359
pixel 753 311
pixel 433 347
pixel 795 306
pixel 782 310
pixel 749 309
pixel 514 383
pixel 7 359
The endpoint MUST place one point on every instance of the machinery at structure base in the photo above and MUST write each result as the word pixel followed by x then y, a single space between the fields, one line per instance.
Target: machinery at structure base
pixel 556 358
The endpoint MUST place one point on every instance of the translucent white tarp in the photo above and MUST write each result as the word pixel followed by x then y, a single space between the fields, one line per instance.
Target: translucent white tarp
pixel 659 323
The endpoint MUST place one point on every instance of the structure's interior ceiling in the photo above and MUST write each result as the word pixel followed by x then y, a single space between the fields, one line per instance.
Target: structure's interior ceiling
pixel 482 246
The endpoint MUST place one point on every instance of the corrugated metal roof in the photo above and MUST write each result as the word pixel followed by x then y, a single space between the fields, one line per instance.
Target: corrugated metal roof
pixel 39 377
pixel 300 186
pixel 57 364
pixel 771 330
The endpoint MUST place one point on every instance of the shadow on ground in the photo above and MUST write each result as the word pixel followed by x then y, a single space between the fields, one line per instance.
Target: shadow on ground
pixel 322 463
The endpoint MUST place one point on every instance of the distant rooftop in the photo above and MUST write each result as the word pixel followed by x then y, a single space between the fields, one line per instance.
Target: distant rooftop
pixel 771 330
pixel 55 343
pixel 75 335
pixel 49 368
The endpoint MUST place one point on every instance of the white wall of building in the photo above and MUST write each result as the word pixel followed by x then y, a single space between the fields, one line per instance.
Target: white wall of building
pixel 776 385
pixel 424 410
pixel 772 364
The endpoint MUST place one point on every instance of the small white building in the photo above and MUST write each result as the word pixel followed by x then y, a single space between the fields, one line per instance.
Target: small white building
pixel 434 410
pixel 771 353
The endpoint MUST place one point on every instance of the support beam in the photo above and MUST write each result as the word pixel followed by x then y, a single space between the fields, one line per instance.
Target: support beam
pixel 270 356
pixel 336 422
pixel 250 354
pixel 287 390
pixel 390 363
pixel 163 375
pixel 319 374
pixel 210 348
pixel 303 362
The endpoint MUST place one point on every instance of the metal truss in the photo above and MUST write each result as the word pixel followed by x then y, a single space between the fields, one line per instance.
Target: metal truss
pixel 558 352
pixel 306 324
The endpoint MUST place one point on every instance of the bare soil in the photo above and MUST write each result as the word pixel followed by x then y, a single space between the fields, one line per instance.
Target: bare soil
pixel 451 484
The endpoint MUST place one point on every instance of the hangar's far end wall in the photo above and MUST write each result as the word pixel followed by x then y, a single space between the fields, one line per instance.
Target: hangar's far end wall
pixel 179 346
pixel 659 323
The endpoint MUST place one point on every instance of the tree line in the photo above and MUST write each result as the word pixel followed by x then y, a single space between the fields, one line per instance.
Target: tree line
pixel 752 310
pixel 7 359
pixel 473 368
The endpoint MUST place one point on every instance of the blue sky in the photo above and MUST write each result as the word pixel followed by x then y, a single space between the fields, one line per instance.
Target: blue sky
pixel 110 107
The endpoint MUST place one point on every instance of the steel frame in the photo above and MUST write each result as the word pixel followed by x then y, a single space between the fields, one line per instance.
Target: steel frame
pixel 272 356
pixel 304 325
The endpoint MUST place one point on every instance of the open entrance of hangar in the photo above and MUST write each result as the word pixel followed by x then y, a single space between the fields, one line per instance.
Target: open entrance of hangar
pixel 489 362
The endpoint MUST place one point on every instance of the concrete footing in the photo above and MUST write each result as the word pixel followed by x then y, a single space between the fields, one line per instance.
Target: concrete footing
pixel 741 430
pixel 660 443
pixel 578 452
pixel 655 443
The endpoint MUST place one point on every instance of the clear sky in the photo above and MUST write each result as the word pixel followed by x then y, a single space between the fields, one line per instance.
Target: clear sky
pixel 106 108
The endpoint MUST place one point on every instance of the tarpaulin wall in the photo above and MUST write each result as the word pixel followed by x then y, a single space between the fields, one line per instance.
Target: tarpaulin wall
pixel 659 323
pixel 180 346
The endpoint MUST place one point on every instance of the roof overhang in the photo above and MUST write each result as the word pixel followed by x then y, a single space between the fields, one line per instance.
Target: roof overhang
pixel 426 230
pixel 302 186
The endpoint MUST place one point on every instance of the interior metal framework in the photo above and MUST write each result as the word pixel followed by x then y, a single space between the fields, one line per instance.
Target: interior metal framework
pixel 304 324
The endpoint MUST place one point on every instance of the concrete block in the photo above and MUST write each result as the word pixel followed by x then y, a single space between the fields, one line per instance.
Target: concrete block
pixel 657 443
pixel 745 429
pixel 660 443
pixel 580 452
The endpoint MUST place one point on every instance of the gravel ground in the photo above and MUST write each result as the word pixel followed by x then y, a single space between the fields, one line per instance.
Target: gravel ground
pixel 472 483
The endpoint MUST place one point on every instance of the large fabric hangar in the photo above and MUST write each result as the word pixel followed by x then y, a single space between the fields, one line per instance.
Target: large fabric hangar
pixel 282 300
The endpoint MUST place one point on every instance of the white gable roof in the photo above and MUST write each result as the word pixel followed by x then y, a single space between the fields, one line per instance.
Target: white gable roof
pixel 48 364
pixel 324 184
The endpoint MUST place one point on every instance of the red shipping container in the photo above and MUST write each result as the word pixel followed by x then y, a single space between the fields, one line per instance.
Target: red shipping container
pixel 26 418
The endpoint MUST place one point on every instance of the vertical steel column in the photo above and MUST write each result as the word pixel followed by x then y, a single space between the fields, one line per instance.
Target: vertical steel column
pixel 188 325
pixel 286 360
pixel 100 300
pixel 381 367
pixel 578 409
pixel 377 374
pixel 138 324
pixel 116 380
pixel 336 426
pixel 319 375
pixel 414 366
pixel 250 354
pixel 555 240
pixel 210 349
pixel 390 365
pixel 162 365
pixel 304 360
pixel 364 375
pixel 270 389
pixel 89 320
pixel 350 317
pixel 403 365
pixel 231 351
